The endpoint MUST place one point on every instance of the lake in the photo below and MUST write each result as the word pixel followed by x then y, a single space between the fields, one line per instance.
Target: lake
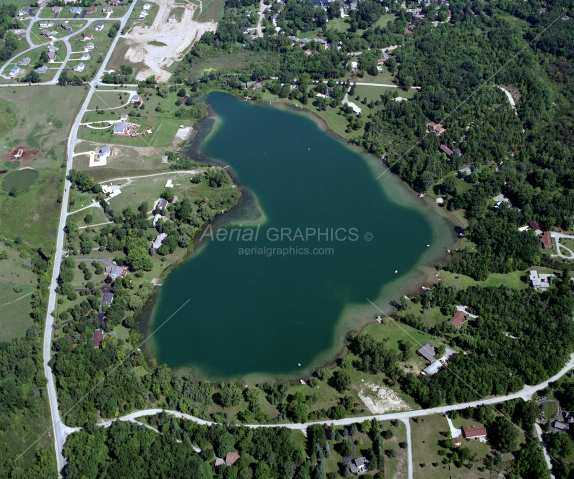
pixel 262 299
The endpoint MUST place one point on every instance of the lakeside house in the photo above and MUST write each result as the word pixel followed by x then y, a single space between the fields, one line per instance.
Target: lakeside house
pixel 540 281
pixel 458 318
pixel 159 241
pixel 478 432
pixel 114 271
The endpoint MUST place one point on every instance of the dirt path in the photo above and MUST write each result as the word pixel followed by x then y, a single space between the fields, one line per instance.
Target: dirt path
pixel 178 37
pixel 13 301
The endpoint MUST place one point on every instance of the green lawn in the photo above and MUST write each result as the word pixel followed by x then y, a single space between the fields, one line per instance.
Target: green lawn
pixel 511 280
pixel 43 116
pixel 549 410
pixel 374 93
pixel 425 437
pixel 15 310
pixel 397 466
pixel 211 12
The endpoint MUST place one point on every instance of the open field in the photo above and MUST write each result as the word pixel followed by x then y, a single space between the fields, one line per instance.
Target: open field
pixel 118 58
pixel 397 466
pixel 211 12
pixel 15 311
pixel 374 93
pixel 43 116
pixel 512 280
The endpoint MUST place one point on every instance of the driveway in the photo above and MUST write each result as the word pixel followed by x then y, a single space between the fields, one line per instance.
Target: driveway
pixel 560 248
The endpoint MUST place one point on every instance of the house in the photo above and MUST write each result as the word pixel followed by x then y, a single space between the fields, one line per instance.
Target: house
pixel 353 6
pixel 155 245
pixel 105 151
pixel 85 56
pixel 18 153
pixel 56 9
pixel 24 62
pixel 432 368
pixel 45 24
pixel 42 69
pixel 79 67
pixel 457 151
pixel 251 85
pixel 359 465
pixel 561 426
pixel 474 432
pixel 65 25
pixel 120 128
pixel 146 6
pixel 162 203
pixel 446 149
pixel 114 270
pixel 52 48
pixel 464 172
pixel 46 33
pixel 546 239
pixel 231 458
pixel 427 352
pixel 23 12
pixel 98 337
pixel 171 19
pixel 246 13
pixel 154 219
pixel 219 462
pixel 534 225
pixel 108 10
pixel 436 128
pixel 169 184
pixel 87 36
pixel 99 27
pixel 51 56
pixel 91 10
pixel 540 281
pixel 244 30
pixel 108 294
pixel 124 117
pixel 457 441
pixel 14 70
pixel 142 15
pixel 88 47
pixel 501 199
pixel 136 100
pixel 76 10
pixel 458 318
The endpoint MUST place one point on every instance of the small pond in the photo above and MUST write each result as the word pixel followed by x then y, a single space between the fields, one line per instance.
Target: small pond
pixel 21 180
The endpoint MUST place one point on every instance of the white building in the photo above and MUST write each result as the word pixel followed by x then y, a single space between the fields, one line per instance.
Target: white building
pixel 79 67
pixel 540 281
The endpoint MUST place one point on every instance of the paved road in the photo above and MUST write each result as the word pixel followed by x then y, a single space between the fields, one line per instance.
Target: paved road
pixel 60 430
pixel 560 247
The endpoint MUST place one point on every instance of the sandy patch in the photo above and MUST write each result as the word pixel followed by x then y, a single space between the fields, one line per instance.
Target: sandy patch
pixel 178 37
pixel 28 155
pixel 380 399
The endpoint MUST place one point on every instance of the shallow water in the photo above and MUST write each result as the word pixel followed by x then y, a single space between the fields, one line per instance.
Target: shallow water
pixel 255 310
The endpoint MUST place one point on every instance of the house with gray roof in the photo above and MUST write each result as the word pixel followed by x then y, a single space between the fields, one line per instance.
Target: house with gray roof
pixel 120 128
pixel 24 62
pixel 427 352
pixel 42 69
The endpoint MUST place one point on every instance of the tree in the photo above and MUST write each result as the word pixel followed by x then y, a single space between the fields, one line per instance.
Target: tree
pixel 390 453
pixel 345 448
pixel 182 92
pixel 503 435
pixel 3 254
pixel 13 192
pixel 342 380
pixel 163 90
pixel 168 194
pixel 440 351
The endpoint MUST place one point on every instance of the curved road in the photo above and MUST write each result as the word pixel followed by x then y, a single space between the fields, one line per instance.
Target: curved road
pixel 59 429
pixel 560 247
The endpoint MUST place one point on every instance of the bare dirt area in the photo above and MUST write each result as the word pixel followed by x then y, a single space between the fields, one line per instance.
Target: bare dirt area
pixel 28 155
pixel 177 36
pixel 380 399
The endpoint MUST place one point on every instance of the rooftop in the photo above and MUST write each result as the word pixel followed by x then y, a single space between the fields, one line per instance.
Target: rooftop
pixel 427 352
pixel 471 432
pixel 458 318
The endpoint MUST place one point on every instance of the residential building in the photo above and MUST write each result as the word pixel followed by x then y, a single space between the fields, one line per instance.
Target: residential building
pixel 56 9
pixel 446 149
pixel 231 458
pixel 85 56
pixel 51 56
pixel 470 432
pixel 457 441
pixel 91 10
pixel 108 10
pixel 14 70
pixel 24 62
pixel 546 239
pixel 427 352
pixel 99 27
pixel 359 465
pixel 244 30
pixel 561 426
pixel 142 15
pixel 114 270
pixel 18 153
pixel 46 33
pixel 436 128
pixel 76 10
pixel 458 318
pixel 88 47
pixel 464 172
pixel 124 117
pixel 87 36
pixel 65 25
pixel 162 203
pixel 105 151
pixel 52 48
pixel 156 245
pixel 534 226
pixel 120 128
pixel 45 24
pixel 42 69
pixel 108 297
pixel 540 281
pixel 171 19
pixel 146 6
pixel 136 100
pixel 98 337
pixel 79 67
pixel 23 12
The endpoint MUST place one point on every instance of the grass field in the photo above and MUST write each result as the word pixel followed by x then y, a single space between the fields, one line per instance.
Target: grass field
pixel 549 410
pixel 117 57
pixel 512 280
pixel 15 311
pixel 43 116
pixel 374 93
pixel 397 466
pixel 211 12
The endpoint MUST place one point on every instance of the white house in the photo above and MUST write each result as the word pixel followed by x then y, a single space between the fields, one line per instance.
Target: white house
pixel 79 67
pixel 105 151
pixel 146 6
pixel 540 281
pixel 99 27
pixel 171 19
pixel 85 56
pixel 88 47
pixel 14 70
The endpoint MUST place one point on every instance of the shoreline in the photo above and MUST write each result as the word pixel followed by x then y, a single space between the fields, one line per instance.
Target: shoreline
pixel 353 317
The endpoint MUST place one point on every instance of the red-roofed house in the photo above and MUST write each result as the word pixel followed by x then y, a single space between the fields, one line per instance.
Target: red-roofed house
pixel 474 432
pixel 231 458
pixel 457 441
pixel 546 239
pixel 458 318
pixel 534 226
pixel 98 336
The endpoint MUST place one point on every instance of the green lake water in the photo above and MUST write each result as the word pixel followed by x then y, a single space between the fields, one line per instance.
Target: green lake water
pixel 263 314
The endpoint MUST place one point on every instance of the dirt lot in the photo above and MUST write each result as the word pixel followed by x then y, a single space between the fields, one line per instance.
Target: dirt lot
pixel 27 157
pixel 177 36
